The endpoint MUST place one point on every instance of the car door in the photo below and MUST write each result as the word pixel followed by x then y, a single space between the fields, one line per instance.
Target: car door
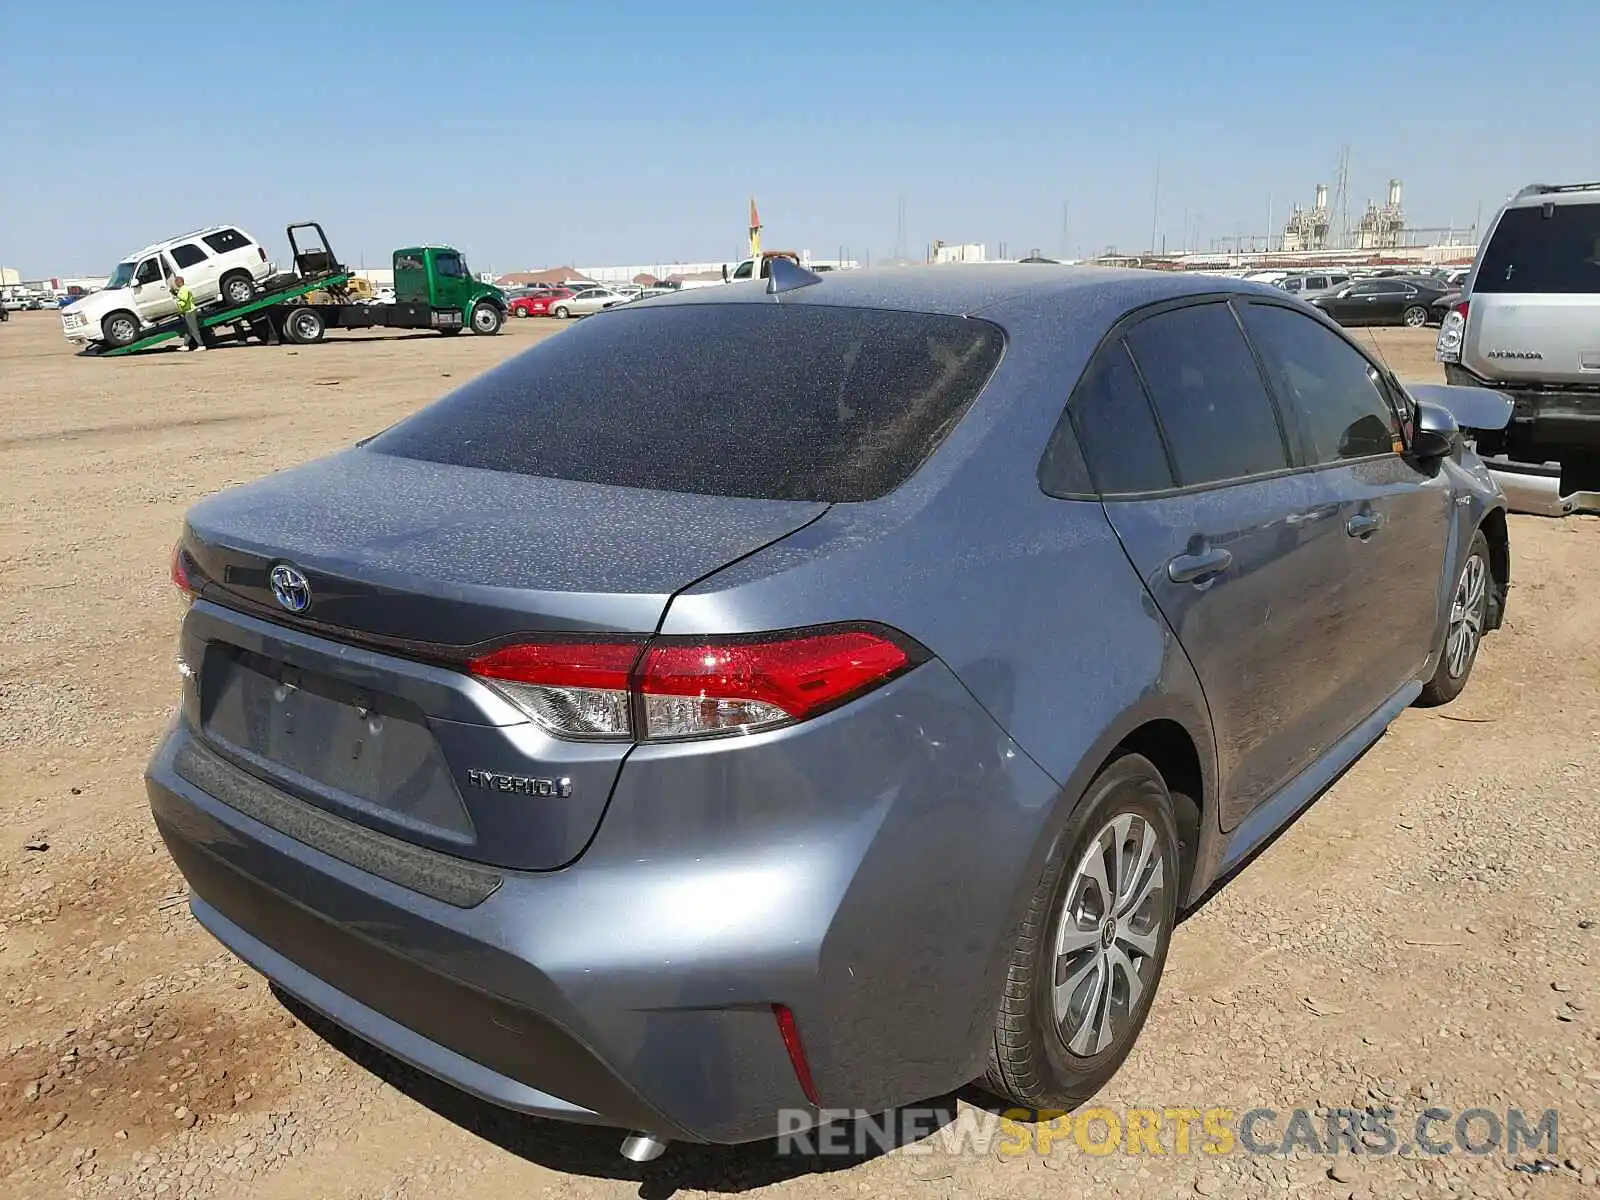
pixel 1406 296
pixel 1385 302
pixel 1241 553
pixel 1341 304
pixel 1395 518
pixel 152 299
pixel 451 287
pixel 1361 303
pixel 199 270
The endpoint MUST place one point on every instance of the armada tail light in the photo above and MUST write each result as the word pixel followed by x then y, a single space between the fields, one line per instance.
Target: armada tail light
pixel 673 688
pixel 262 250
pixel 1452 332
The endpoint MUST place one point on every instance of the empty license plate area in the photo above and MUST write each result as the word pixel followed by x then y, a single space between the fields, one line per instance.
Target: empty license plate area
pixel 364 751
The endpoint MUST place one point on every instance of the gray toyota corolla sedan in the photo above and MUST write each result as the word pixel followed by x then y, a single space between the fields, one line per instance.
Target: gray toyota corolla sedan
pixel 815 693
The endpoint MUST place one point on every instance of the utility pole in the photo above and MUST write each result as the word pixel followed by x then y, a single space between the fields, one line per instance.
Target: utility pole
pixel 1066 241
pixel 1155 214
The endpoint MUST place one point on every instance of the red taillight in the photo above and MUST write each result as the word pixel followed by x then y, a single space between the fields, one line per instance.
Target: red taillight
pixel 1462 308
pixel 573 688
pixel 790 1032
pixel 691 688
pixel 183 572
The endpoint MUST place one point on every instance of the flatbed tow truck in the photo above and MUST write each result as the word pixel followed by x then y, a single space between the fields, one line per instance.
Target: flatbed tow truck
pixel 433 290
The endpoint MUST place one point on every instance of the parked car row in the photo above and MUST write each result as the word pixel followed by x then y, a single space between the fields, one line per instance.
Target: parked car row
pixel 564 301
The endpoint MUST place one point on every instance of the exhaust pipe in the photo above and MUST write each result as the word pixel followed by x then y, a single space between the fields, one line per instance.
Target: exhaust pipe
pixel 642 1148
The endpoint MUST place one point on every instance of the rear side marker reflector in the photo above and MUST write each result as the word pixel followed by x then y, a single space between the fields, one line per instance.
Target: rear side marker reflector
pixel 673 688
pixel 790 1032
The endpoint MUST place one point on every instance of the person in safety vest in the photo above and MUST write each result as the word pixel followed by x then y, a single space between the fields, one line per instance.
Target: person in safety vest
pixel 186 309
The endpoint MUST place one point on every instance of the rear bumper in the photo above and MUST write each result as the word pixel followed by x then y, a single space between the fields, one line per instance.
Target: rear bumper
pixel 1548 419
pixel 635 987
pixel 1537 488
pixel 420 978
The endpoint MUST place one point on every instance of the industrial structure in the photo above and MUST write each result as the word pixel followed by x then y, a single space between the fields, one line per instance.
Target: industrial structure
pixel 1314 229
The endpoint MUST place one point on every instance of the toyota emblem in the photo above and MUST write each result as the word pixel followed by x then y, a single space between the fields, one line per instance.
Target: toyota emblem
pixel 290 588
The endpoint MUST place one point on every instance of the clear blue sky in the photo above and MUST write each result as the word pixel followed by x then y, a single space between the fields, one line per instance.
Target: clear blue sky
pixel 593 133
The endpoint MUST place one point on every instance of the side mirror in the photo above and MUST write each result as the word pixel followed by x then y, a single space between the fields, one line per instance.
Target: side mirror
pixel 1437 433
pixel 724 272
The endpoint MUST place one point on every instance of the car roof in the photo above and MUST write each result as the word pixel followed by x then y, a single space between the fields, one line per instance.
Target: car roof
pixel 986 289
pixel 153 247
pixel 1537 195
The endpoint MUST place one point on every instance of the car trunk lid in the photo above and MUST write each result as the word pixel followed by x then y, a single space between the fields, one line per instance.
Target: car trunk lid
pixel 360 704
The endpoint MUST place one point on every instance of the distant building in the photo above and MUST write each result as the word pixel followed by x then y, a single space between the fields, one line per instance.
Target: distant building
pixel 549 275
pixel 972 252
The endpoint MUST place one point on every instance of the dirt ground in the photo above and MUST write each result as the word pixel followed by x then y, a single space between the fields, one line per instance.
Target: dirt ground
pixel 1427 934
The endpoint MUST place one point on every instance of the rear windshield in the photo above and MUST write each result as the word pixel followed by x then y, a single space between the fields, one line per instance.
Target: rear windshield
pixel 1530 252
pixel 766 401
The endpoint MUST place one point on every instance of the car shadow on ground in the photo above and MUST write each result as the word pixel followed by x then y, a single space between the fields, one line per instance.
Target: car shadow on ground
pixel 593 1151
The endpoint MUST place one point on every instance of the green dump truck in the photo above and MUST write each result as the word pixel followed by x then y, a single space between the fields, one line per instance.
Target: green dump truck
pixel 433 289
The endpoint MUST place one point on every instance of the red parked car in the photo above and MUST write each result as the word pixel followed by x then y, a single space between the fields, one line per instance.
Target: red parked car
pixel 537 304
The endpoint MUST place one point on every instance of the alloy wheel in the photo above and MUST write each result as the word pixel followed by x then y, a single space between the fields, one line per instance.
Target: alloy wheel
pixel 1109 936
pixel 1467 610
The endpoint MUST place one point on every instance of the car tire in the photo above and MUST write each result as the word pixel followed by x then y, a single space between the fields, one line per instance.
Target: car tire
pixel 487 320
pixel 304 326
pixel 562 312
pixel 1414 317
pixel 120 328
pixel 519 312
pixel 1463 632
pixel 1056 1045
pixel 237 288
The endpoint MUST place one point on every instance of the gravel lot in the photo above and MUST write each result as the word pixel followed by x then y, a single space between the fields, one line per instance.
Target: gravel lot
pixel 1428 933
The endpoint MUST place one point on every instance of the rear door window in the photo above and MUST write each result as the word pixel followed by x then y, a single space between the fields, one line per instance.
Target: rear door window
pixel 187 255
pixel 1531 252
pixel 1339 405
pixel 1116 429
pixel 767 401
pixel 1214 409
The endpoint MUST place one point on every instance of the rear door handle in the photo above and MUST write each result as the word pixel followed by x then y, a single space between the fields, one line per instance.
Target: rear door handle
pixel 1198 568
pixel 1364 525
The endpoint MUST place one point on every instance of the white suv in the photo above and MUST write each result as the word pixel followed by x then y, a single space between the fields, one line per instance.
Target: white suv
pixel 220 262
